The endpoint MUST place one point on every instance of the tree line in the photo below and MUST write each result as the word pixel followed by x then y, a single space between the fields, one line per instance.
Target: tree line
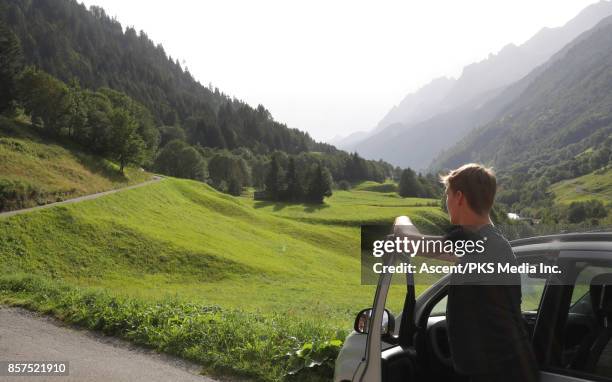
pixel 283 176
pixel 113 125
pixel 418 186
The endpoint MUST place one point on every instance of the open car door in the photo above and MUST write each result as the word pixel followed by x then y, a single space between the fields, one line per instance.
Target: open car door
pixel 398 362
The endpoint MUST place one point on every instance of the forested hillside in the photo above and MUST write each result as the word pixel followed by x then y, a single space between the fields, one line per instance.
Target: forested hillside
pixel 80 76
pixel 66 40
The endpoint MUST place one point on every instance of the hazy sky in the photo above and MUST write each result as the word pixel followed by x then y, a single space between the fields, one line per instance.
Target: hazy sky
pixel 333 67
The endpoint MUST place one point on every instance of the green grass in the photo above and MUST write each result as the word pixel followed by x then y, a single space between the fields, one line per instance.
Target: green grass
pixel 184 242
pixel 353 208
pixel 386 187
pixel 34 171
pixel 224 340
pixel 182 238
pixel 228 282
pixel 596 185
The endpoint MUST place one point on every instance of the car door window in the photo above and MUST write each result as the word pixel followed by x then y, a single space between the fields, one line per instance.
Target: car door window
pixel 440 308
pixel 587 342
pixel 532 289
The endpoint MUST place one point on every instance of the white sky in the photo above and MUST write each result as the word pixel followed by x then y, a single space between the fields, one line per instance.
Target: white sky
pixel 332 67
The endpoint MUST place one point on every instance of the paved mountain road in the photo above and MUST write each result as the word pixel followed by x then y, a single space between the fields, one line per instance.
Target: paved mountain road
pixel 80 198
pixel 27 336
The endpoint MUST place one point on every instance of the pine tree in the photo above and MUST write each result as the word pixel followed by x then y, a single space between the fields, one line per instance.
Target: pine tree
pixel 320 185
pixel 234 187
pixel 409 185
pixel 274 179
pixel 295 191
pixel 11 64
pixel 77 109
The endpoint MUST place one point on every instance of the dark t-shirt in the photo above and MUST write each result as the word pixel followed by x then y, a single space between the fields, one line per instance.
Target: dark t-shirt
pixel 486 330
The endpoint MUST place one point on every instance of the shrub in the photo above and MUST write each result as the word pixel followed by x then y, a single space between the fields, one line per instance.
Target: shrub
pixel 268 347
pixel 344 185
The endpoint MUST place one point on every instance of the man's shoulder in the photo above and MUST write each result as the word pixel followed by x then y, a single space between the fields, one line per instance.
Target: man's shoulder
pixel 496 245
pixel 488 233
pixel 493 235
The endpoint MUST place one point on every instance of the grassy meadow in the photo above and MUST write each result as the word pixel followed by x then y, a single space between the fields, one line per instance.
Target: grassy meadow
pixel 596 185
pixel 180 238
pixel 243 287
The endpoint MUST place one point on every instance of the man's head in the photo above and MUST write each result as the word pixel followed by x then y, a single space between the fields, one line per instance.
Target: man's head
pixel 470 191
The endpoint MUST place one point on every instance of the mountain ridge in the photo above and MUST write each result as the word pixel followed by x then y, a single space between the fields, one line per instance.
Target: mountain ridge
pixel 470 92
pixel 545 81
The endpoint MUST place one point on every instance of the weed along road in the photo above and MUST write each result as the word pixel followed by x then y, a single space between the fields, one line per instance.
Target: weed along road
pixel 25 336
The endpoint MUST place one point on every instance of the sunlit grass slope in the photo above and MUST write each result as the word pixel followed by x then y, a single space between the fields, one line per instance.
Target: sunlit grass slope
pixel 596 185
pixel 387 186
pixel 356 207
pixel 34 171
pixel 182 238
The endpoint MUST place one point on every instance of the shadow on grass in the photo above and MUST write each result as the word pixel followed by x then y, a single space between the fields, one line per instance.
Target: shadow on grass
pixel 278 206
pixel 15 129
pixel 315 207
pixel 99 166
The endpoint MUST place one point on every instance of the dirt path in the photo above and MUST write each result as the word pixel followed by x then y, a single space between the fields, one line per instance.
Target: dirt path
pixel 80 198
pixel 26 336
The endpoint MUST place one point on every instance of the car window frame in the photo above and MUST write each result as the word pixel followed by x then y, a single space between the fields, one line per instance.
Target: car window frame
pixel 565 259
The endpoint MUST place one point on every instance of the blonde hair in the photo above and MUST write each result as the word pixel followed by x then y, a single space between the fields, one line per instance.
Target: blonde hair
pixel 476 182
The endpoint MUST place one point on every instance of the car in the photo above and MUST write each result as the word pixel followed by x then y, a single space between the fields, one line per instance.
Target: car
pixel 568 316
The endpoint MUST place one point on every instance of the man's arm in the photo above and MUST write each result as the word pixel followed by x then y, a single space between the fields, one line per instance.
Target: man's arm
pixel 403 227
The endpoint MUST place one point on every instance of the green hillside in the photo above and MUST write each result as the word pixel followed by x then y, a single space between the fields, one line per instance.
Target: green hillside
pixel 387 186
pixel 596 185
pixel 182 238
pixel 34 171
pixel 185 269
pixel 352 208
pixel 231 283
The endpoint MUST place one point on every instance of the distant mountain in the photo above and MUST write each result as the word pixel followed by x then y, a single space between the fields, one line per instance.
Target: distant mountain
pixel 447 111
pixel 421 105
pixel 513 62
pixel 348 140
pixel 414 147
pixel 415 107
pixel 562 109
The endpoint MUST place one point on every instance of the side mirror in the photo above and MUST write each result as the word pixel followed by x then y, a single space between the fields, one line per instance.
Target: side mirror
pixel 362 322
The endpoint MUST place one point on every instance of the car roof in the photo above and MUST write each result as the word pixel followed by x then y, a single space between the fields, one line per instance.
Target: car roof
pixel 569 242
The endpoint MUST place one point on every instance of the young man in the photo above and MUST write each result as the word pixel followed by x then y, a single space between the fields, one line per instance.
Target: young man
pixel 487 335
